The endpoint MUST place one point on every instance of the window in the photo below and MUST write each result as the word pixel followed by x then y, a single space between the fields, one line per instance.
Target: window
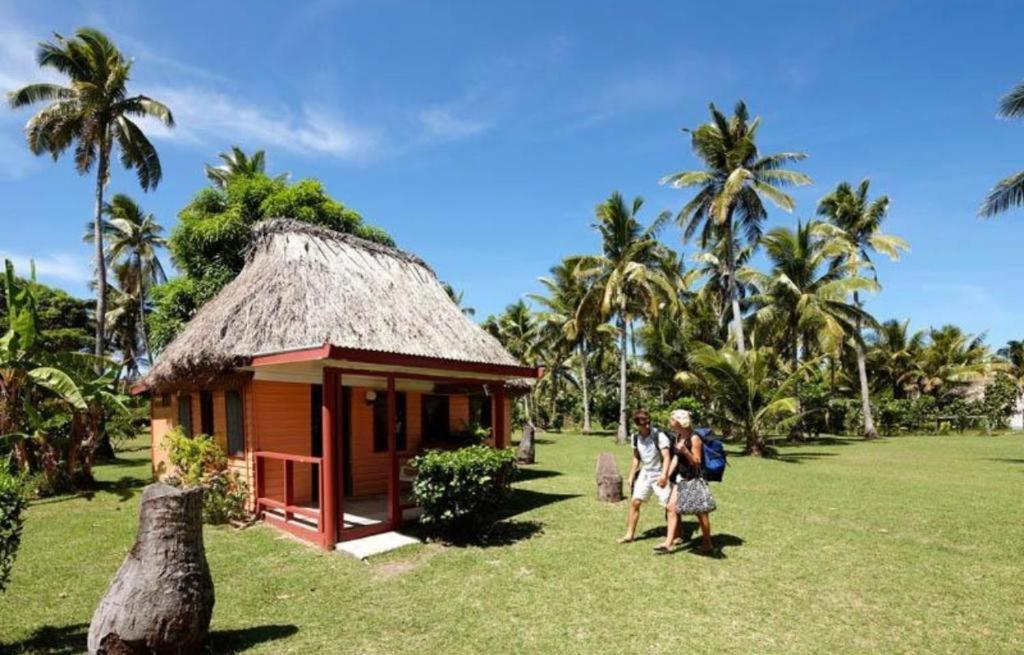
pixel 206 412
pixel 316 435
pixel 185 414
pixel 164 400
pixel 480 410
pixel 434 416
pixel 380 422
pixel 236 430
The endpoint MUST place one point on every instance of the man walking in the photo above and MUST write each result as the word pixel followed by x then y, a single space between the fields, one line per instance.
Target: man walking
pixel 649 472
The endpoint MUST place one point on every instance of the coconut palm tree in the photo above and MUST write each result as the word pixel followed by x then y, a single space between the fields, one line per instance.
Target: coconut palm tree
pixel 861 219
pixel 1009 191
pixel 732 186
pixel 516 328
pixel 566 290
pixel 747 389
pixel 626 281
pixel 951 360
pixel 237 164
pixel 895 353
pixel 95 113
pixel 804 299
pixel 457 298
pixel 134 237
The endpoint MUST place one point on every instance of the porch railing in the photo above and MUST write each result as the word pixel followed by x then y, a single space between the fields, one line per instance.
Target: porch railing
pixel 286 509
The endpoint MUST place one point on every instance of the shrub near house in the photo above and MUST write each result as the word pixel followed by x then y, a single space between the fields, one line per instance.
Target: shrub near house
pixel 461 491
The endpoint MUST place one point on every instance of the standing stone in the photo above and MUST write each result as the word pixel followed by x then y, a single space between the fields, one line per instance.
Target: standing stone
pixel 527 450
pixel 609 480
pixel 161 599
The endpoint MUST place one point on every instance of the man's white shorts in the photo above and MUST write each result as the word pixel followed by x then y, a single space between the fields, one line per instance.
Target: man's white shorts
pixel 646 484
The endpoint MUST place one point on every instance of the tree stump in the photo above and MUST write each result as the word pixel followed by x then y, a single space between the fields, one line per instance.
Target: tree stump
pixel 527 453
pixel 609 480
pixel 161 599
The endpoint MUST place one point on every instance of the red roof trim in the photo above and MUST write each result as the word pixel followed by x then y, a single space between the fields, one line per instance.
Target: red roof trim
pixel 393 359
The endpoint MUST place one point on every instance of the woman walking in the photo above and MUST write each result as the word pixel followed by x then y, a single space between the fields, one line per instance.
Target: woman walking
pixel 690 493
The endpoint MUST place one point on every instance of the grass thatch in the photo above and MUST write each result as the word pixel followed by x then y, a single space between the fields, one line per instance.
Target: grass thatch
pixel 304 286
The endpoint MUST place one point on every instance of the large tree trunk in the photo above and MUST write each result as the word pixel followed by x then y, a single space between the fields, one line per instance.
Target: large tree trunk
pixel 161 599
pixel 623 433
pixel 586 392
pixel 862 372
pixel 527 452
pixel 609 480
pixel 755 444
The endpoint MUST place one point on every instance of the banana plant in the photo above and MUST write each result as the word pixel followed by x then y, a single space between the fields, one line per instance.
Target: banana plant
pixel 26 369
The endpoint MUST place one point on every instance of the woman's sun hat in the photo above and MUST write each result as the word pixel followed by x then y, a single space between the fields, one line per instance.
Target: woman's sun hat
pixel 681 417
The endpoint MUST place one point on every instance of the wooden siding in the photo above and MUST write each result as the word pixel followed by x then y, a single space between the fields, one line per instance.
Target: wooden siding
pixel 281 415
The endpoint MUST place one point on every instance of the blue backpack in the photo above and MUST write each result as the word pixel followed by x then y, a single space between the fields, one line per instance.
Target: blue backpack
pixel 712 455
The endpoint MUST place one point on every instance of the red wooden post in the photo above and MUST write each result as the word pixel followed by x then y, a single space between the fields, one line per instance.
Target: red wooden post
pixel 498 416
pixel 260 491
pixel 328 467
pixel 288 499
pixel 396 512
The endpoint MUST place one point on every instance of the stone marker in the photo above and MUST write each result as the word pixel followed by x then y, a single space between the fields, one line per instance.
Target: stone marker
pixel 161 599
pixel 609 480
pixel 527 450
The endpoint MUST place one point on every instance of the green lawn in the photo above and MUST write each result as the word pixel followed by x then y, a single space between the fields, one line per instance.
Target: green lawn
pixel 913 544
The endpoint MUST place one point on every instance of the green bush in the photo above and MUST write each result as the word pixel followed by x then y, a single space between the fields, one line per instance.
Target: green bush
pixel 12 504
pixel 460 491
pixel 200 462
pixel 660 416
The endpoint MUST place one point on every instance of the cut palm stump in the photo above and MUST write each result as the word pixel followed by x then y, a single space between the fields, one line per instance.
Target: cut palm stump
pixel 161 600
pixel 527 452
pixel 609 480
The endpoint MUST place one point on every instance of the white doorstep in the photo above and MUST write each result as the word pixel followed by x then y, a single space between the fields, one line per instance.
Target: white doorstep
pixel 375 545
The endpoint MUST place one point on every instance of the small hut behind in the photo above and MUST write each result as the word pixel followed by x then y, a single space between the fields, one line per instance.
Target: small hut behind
pixel 322 369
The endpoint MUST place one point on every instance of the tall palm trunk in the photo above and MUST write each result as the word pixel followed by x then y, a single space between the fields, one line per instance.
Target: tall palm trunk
pixel 142 306
pixel 103 447
pixel 622 434
pixel 731 290
pixel 585 387
pixel 101 262
pixel 862 372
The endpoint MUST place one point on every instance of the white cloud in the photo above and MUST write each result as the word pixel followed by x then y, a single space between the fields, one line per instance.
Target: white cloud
pixel 58 266
pixel 443 123
pixel 205 116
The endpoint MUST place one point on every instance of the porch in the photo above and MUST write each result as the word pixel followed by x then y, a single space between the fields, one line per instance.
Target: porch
pixel 331 457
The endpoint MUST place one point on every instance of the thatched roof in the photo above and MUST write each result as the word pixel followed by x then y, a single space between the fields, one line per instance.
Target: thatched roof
pixel 303 286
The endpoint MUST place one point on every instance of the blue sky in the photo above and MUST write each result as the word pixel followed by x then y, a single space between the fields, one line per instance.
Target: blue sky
pixel 482 135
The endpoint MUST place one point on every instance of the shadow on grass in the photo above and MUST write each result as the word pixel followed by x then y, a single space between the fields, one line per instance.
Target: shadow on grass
pixel 526 474
pixel 1006 460
pixel 125 487
pixel 799 458
pixel 65 640
pixel 525 500
pixel 55 640
pixel 237 641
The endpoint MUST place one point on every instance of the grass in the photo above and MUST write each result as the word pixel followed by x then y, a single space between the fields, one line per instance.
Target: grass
pixel 912 544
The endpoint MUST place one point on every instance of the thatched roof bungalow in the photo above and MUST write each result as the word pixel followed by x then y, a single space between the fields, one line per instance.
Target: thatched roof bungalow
pixel 324 367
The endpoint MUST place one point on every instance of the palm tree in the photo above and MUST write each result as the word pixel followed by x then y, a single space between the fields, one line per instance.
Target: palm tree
pixel 804 296
pixel 134 237
pixel 516 329
pixel 94 112
pixel 237 164
pixel 951 360
pixel 457 298
pixel 895 353
pixel 625 280
pixel 747 390
pixel 861 220
pixel 1009 191
pixel 733 184
pixel 565 292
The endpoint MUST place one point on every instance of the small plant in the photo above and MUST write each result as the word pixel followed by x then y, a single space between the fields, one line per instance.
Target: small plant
pixel 12 504
pixel 200 462
pixel 460 491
